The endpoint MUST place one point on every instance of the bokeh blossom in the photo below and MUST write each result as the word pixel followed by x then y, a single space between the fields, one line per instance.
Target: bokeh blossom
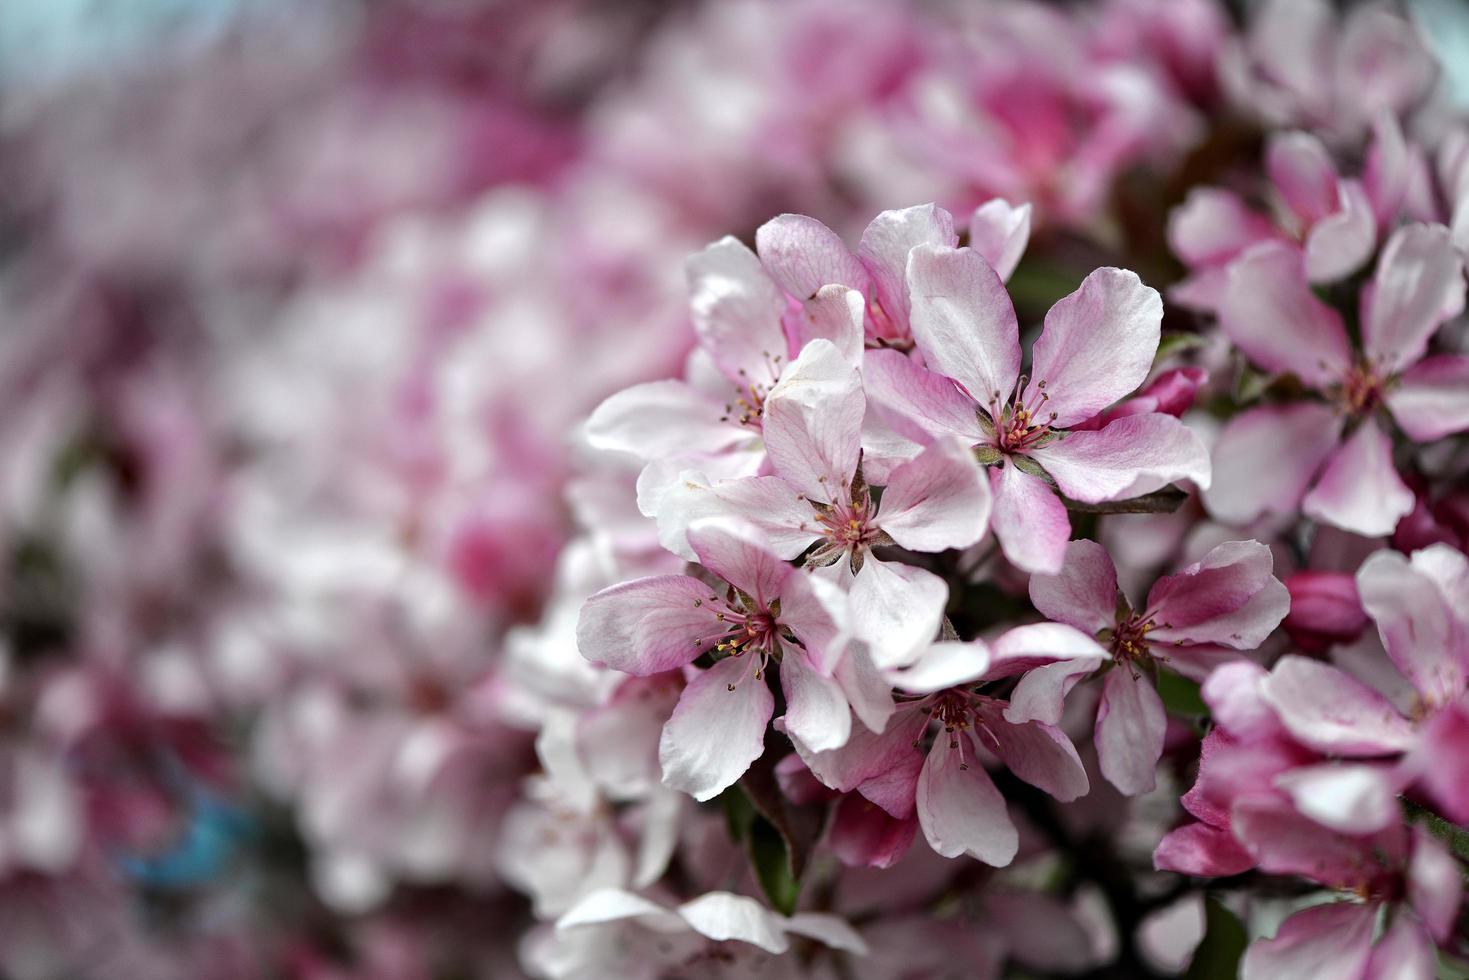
pixel 866 490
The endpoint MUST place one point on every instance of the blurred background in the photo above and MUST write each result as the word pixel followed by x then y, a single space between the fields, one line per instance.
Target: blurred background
pixel 301 304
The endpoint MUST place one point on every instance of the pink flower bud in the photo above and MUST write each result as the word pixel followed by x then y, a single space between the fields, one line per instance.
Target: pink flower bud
pixel 1324 609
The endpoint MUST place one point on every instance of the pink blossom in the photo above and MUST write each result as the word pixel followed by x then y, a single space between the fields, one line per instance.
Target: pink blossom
pixel 956 804
pixel 1191 622
pixel 1414 873
pixel 765 611
pixel 1417 605
pixel 1300 65
pixel 817 504
pixel 1324 610
pixel 1336 221
pixel 1333 458
pixel 1097 346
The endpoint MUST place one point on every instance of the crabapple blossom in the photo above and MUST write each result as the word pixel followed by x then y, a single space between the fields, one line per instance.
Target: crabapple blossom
pixel 1192 621
pixel 817 504
pixel 762 611
pixel 946 788
pixel 1333 458
pixel 1097 347
pixel 557 502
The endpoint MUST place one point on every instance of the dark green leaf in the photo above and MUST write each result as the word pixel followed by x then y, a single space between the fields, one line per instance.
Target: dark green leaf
pixel 1218 955
pixel 797 826
pixel 739 812
pixel 773 867
pixel 1456 837
pixel 1181 695
pixel 1164 501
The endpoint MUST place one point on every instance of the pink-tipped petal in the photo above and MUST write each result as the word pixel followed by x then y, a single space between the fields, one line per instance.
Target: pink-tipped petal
pixel 917 402
pixel 1030 521
pixel 1354 798
pixel 1270 314
pixel 1084 593
pixel 813 422
pixel 1359 489
pixel 1041 755
pixel 1129 731
pixel 1435 885
pixel 717 730
pixel 940 499
pixel 1339 244
pixel 1333 712
pixel 897 610
pixel 801 254
pixel 1041 693
pixel 1284 446
pixel 1228 597
pixel 648 625
pixel 1389 168
pixel 884 252
pixel 1324 941
pixel 1097 345
pixel 661 418
pixel 735 552
pixel 863 834
pixel 1000 233
pixel 816 707
pixel 1212 226
pixel 1441 762
pixel 959 808
pixel 1431 399
pixel 1286 843
pixel 963 320
pixel 836 314
pixel 1301 170
pixel 1202 851
pixel 1133 455
pixel 1403 950
pixel 868 756
pixel 1418 626
pixel 736 308
pixel 1419 284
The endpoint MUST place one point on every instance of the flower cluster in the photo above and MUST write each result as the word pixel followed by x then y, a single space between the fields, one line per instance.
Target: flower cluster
pixel 855 489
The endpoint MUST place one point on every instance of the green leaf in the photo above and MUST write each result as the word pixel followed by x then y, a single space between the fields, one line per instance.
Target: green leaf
pixel 1181 695
pixel 1177 342
pixel 773 867
pixel 1218 955
pixel 739 812
pixel 1164 501
pixel 1451 968
pixel 1456 837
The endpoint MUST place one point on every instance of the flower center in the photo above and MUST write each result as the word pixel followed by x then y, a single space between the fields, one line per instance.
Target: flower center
pixel 749 627
pixel 1361 389
pixel 1130 639
pixel 748 407
pixel 847 524
pixel 1024 423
